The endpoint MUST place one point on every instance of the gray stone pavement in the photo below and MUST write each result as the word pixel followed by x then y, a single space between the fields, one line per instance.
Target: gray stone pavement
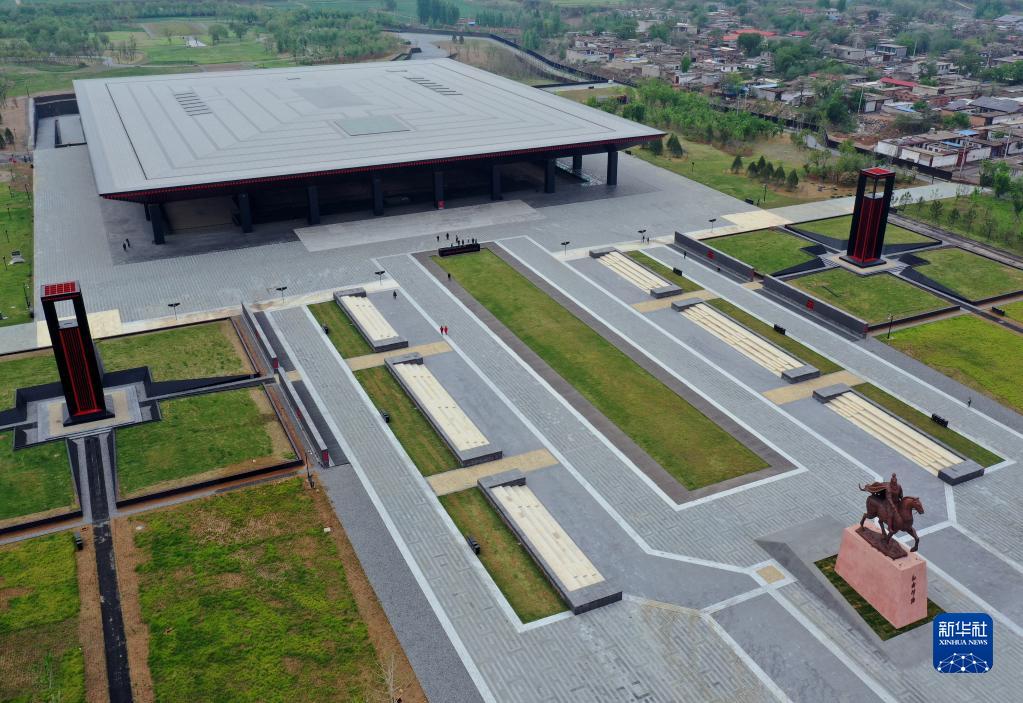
pixel 628 651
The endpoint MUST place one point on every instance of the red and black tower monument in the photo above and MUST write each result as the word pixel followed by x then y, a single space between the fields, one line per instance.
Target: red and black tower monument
pixel 870 216
pixel 75 352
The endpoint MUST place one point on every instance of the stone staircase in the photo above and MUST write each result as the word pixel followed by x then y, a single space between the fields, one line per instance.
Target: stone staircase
pixel 741 339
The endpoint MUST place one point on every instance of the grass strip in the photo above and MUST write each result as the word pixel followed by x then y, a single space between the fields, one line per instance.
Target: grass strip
pixel 870 298
pixel 689 446
pixel 974 277
pixel 16 279
pixel 766 250
pixel 246 599
pixel 194 351
pixel 970 350
pixel 521 581
pixel 345 336
pixel 663 271
pixel 1014 311
pixel 40 651
pixel 881 627
pixel 838 228
pixel 415 433
pixel 32 369
pixel 922 422
pixel 823 363
pixel 229 431
pixel 35 479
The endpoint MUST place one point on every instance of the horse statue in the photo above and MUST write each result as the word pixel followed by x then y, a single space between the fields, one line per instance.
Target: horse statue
pixel 892 510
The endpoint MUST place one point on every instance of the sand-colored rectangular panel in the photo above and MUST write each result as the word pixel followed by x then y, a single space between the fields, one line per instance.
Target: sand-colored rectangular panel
pixel 558 551
pixel 662 303
pixel 462 479
pixel 741 339
pixel 436 401
pixel 906 440
pixel 368 361
pixel 799 391
pixel 369 318
pixel 105 323
pixel 634 273
pixel 756 219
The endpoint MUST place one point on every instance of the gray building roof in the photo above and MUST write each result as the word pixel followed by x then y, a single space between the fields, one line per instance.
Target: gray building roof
pixel 176 131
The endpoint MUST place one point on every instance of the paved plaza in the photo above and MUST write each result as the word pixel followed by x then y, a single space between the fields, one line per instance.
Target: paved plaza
pixel 709 611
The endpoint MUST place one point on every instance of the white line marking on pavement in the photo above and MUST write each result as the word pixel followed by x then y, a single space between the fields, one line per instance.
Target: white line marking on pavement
pixel 985 606
pixel 1011 563
pixel 734 600
pixel 438 609
pixel 636 537
pixel 765 679
pixel 828 643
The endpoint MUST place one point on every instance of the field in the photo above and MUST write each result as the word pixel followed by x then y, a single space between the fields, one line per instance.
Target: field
pixel 685 442
pixel 41 656
pixel 767 250
pixel 422 443
pixel 870 298
pixel 994 220
pixel 663 271
pixel 521 581
pixel 823 364
pixel 838 228
pixel 972 276
pixel 950 438
pixel 881 627
pixel 217 434
pixel 24 82
pixel 35 479
pixel 194 351
pixel 158 50
pixel 15 279
pixel 977 353
pixel 344 334
pixel 246 598
pixel 23 370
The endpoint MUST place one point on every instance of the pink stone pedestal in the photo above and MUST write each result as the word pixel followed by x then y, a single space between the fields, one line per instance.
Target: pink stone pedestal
pixel 897 588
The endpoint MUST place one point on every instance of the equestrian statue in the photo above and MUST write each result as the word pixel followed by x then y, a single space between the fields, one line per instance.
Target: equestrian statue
pixel 894 512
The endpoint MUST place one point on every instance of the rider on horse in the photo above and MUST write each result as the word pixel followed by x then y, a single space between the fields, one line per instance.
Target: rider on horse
pixel 888 491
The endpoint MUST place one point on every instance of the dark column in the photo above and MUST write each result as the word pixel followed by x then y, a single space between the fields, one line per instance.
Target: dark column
pixel 612 167
pixel 145 209
pixel 378 195
pixel 155 216
pixel 245 212
pixel 577 163
pixel 495 182
pixel 870 216
pixel 438 190
pixel 549 168
pixel 75 354
pixel 313 195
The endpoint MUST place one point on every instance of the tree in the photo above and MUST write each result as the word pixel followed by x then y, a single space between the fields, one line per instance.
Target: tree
pixel 751 170
pixel 737 164
pixel 936 206
pixel 761 163
pixel 840 5
pixel 8 135
pixel 751 43
pixel 685 63
pixel 953 216
pixel 1017 202
pixel 217 32
pixel 655 147
pixel 239 29
pixel 779 174
pixel 675 146
pixel 767 172
pixel 968 217
pixel 167 31
pixel 792 182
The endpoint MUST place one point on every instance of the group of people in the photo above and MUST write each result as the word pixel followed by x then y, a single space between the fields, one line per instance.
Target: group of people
pixel 458 240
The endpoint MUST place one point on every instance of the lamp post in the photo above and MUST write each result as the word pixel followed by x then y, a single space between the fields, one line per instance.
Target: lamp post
pixel 281 289
pixel 891 321
pixel 565 245
pixel 641 232
pixel 712 221
pixel 380 277
pixel 764 199
pixel 174 307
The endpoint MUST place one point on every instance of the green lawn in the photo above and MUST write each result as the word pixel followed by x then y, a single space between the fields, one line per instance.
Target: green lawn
pixel 17 278
pixel 159 51
pixel 994 220
pixel 663 271
pixel 950 438
pixel 870 298
pixel 24 82
pixel 195 351
pixel 823 364
pixel 228 432
pixel 422 443
pixel 24 371
pixel 712 167
pixel 766 250
pixel 246 599
pixel 1014 310
pixel 838 228
pixel 881 627
pixel 343 332
pixel 972 276
pixel 40 653
pixel 35 479
pixel 675 434
pixel 973 351
pixel 521 581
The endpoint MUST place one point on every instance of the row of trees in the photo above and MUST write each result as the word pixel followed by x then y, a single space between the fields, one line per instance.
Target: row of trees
pixel 324 35
pixel 767 172
pixel 437 12
pixel 971 215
